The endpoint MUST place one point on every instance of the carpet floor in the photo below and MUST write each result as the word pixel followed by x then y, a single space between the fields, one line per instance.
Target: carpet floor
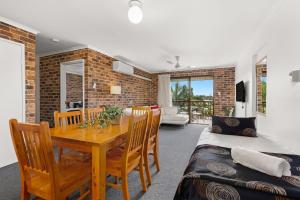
pixel 176 147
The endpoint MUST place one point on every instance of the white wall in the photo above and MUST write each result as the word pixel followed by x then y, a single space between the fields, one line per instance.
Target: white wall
pixel 279 40
pixel 12 101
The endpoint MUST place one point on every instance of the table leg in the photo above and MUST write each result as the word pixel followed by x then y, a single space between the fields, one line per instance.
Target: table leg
pixel 98 172
pixel 103 172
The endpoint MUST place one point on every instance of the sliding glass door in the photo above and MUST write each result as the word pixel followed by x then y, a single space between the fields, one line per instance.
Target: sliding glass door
pixel 181 94
pixel 202 89
pixel 194 96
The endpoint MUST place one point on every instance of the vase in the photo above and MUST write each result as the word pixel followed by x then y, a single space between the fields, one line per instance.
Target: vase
pixel 116 121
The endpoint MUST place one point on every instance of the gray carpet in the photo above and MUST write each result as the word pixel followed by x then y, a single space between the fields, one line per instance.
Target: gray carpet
pixel 176 147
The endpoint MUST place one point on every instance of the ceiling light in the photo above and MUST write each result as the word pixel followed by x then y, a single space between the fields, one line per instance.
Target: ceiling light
pixel 135 12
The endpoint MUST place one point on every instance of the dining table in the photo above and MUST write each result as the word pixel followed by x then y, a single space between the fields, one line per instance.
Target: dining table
pixel 94 140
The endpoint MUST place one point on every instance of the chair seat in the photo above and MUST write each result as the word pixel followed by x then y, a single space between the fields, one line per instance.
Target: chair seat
pixel 114 161
pixel 75 155
pixel 69 175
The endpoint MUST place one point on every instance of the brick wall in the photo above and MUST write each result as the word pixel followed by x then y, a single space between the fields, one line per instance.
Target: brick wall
pixel 29 40
pixel 50 81
pixel 74 87
pixel 135 91
pixel 98 69
pixel 224 84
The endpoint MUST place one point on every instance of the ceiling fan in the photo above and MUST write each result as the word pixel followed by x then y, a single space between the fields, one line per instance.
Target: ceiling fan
pixel 177 64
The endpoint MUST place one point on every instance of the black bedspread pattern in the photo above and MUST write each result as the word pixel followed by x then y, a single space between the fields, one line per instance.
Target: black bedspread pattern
pixel 212 175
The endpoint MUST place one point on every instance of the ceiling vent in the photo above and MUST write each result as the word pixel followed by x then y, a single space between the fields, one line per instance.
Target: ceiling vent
pixel 124 68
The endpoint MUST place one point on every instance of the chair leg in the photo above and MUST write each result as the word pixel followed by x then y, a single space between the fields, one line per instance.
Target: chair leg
pixel 125 187
pixel 147 168
pixel 142 176
pixel 24 194
pixel 60 153
pixel 156 160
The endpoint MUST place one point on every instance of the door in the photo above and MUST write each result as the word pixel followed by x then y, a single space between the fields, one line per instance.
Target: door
pixel 12 95
pixel 72 85
pixel 202 90
pixel 194 96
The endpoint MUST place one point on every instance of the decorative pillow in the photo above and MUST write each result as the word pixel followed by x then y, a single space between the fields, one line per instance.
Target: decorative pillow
pixel 170 110
pixel 154 107
pixel 234 126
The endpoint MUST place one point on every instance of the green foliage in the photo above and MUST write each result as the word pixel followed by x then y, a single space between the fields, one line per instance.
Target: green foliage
pixel 180 92
pixel 113 112
pixel 264 91
pixel 227 110
pixel 104 118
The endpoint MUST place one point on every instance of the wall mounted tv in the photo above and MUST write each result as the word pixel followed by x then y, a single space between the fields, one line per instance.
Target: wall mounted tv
pixel 240 92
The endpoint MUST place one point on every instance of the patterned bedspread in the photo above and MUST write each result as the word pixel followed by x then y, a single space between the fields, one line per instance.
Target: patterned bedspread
pixel 212 175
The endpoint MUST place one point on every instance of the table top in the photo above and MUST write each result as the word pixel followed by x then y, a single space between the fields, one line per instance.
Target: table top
pixel 91 135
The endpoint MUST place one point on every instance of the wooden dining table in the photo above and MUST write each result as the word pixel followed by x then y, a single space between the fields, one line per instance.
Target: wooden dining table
pixel 95 141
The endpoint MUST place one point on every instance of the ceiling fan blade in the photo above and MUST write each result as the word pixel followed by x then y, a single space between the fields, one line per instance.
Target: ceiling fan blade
pixel 177 65
pixel 170 62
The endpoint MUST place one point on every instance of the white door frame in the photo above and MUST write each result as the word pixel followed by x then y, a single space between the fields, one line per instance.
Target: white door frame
pixel 9 149
pixel 23 75
pixel 66 67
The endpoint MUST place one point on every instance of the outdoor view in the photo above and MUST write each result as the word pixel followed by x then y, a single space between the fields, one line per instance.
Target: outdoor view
pixel 264 92
pixel 261 86
pixel 194 96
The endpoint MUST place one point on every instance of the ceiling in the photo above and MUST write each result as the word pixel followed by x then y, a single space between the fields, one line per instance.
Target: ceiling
pixel 203 32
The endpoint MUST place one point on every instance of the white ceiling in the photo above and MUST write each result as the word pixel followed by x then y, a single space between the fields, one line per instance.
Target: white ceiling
pixel 203 32
pixel 45 44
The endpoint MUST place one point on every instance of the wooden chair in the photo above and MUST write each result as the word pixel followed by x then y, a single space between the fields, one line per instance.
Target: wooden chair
pixel 121 161
pixel 40 174
pixel 64 119
pixel 151 137
pixel 140 110
pixel 152 142
pixel 92 113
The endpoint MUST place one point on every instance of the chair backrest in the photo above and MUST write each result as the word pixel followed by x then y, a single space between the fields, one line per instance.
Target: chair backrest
pixel 93 113
pixel 140 110
pixel 33 147
pixel 154 124
pixel 63 119
pixel 136 135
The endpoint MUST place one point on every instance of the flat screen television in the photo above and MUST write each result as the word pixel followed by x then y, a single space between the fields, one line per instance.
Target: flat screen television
pixel 240 92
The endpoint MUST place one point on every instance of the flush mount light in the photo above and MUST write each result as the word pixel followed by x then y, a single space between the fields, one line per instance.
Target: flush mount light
pixel 135 12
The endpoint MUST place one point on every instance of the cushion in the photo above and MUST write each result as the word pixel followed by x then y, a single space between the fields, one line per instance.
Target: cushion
pixel 170 111
pixel 154 107
pixel 234 126
pixel 177 117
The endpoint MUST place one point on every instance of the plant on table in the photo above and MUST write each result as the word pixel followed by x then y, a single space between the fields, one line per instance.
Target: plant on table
pixel 105 118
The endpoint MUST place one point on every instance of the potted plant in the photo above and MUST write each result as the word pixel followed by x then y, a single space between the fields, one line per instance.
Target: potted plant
pixel 114 113
pixel 228 110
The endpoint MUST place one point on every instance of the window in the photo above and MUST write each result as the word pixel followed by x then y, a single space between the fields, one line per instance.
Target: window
pixel 261 86
pixel 194 96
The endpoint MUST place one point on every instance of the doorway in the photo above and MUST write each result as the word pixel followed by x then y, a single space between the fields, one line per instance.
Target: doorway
pixel 72 85
pixel 194 96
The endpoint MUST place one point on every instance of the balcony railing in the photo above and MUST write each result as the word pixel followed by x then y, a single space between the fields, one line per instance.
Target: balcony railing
pixel 200 111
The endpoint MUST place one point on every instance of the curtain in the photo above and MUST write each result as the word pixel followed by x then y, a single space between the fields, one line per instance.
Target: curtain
pixel 164 91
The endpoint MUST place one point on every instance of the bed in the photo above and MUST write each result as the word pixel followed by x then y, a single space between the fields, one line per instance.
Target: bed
pixel 211 173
